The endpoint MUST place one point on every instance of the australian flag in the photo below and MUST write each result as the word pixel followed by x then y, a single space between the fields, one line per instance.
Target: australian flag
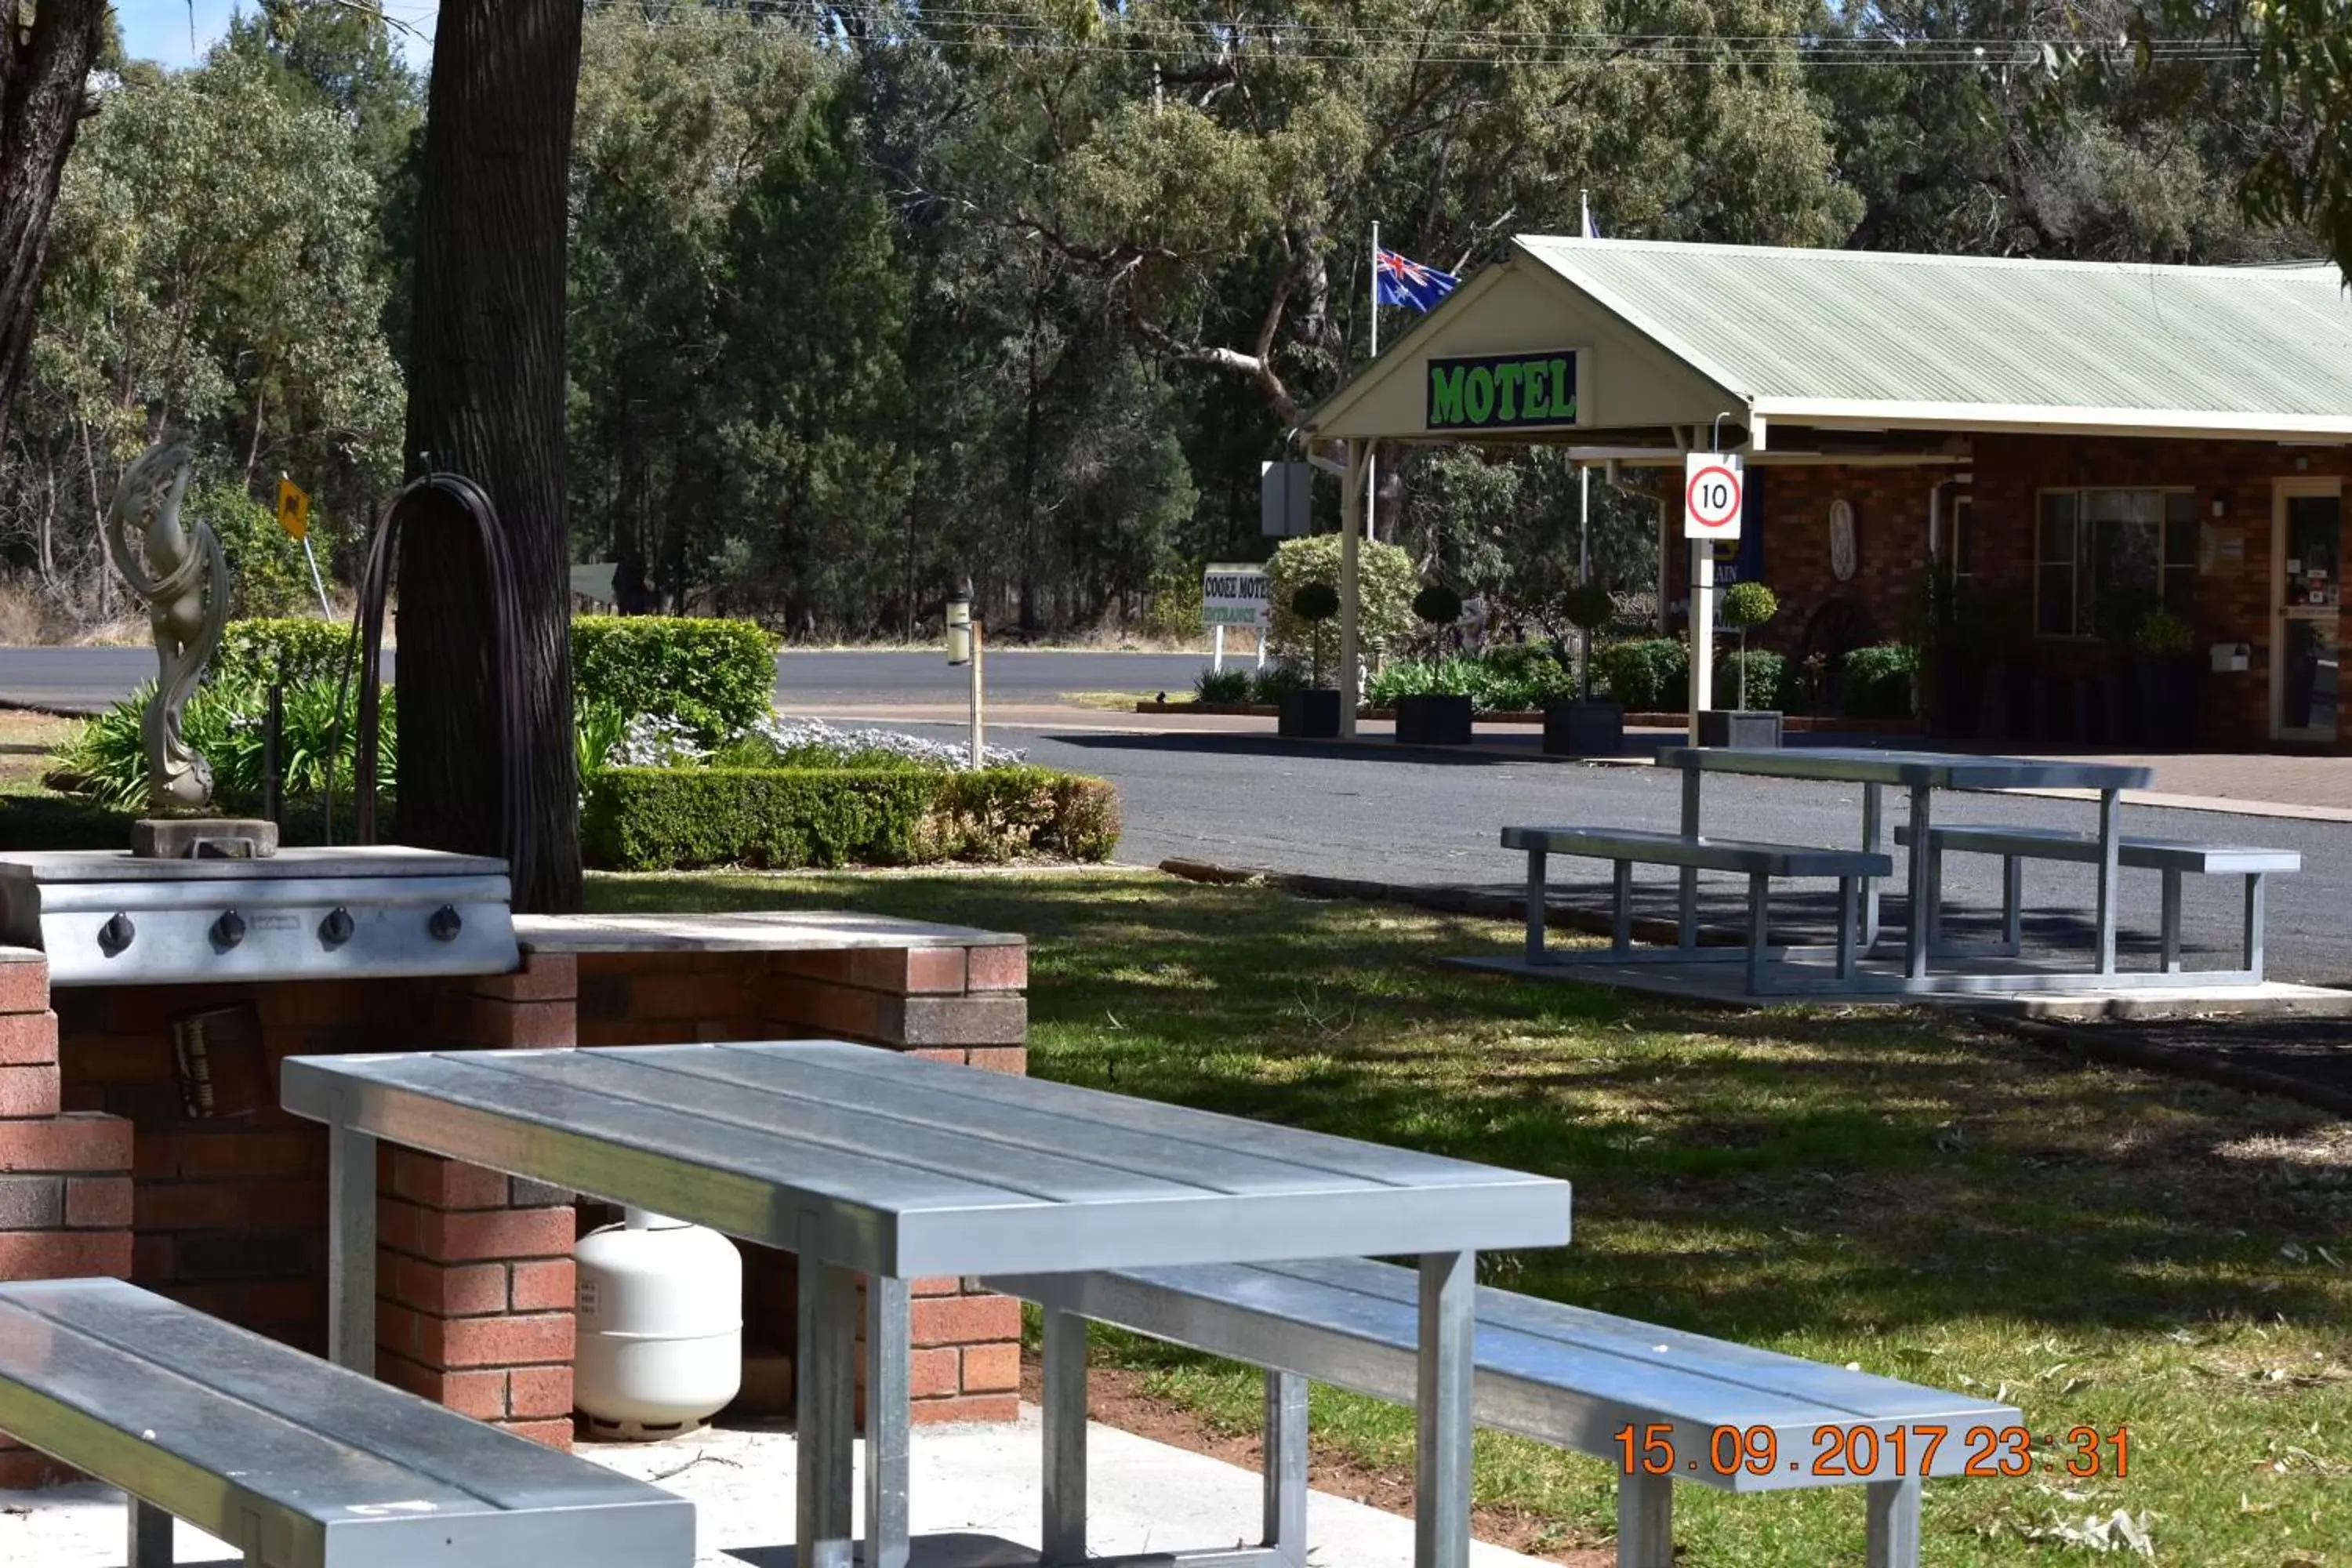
pixel 1408 282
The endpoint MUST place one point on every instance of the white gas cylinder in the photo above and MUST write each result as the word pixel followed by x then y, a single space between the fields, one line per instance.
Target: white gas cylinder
pixel 661 1327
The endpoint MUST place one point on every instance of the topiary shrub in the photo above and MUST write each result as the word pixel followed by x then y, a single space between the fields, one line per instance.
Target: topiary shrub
pixel 715 676
pixel 1648 675
pixel 293 649
pixel 1438 605
pixel 1746 604
pixel 1385 581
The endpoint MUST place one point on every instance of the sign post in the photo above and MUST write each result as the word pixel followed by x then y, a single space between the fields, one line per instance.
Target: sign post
pixel 1236 595
pixel 1714 492
pixel 294 517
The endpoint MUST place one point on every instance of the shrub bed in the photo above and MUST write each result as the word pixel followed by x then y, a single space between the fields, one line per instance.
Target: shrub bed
pixel 717 677
pixel 645 819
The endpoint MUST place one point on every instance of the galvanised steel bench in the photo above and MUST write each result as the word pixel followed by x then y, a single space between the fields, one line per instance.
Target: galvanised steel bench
pixel 297 1463
pixel 2174 857
pixel 1668 1406
pixel 1627 848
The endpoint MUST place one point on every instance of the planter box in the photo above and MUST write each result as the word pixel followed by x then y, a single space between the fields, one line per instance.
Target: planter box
pixel 1312 715
pixel 1583 729
pixel 1737 726
pixel 1433 720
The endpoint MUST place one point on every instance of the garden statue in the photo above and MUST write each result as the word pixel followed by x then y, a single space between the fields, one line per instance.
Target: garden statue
pixel 188 604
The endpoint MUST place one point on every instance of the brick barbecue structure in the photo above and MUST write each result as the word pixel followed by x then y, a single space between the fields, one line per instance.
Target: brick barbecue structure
pixel 2102 499
pixel 104 1170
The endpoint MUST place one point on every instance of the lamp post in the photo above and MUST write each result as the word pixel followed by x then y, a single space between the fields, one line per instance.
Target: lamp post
pixel 964 646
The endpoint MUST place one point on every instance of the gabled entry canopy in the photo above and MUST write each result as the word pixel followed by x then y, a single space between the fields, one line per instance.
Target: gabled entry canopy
pixel 1635 344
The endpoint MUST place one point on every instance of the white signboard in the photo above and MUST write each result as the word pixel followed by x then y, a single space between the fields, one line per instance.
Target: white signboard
pixel 1235 596
pixel 1713 495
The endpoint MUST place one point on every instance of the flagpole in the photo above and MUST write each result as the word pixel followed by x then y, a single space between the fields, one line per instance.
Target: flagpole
pixel 1372 485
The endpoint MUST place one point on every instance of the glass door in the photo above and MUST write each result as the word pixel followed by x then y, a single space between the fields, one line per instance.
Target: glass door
pixel 2307 575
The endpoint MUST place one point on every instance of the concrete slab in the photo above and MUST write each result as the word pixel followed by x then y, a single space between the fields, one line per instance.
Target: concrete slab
pixel 974 1498
pixel 1718 984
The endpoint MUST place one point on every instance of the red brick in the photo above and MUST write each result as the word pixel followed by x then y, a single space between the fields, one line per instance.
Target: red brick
pixel 470 1290
pixel 498 1233
pixel 544 1287
pixel 29 1039
pixel 64 1254
pixel 187 1206
pixel 496 1342
pixel 828 1009
pixel 24 983
pixel 937 1285
pixel 900 970
pixel 932 1374
pixel 440 1184
pixel 25 1470
pixel 1002 967
pixel 399 1225
pixel 399 1330
pixel 120 1060
pixel 685 996
pixel 1013 1059
pixel 538 1392
pixel 480 1395
pixel 964 1320
pixel 29 1091
pixel 95 1201
pixel 992 1369
pixel 544 977
pixel 76 1143
pixel 954 1056
pixel 152 1259
pixel 475 1020
pixel 548 1433
pixel 965 1408
pixel 255 1153
pixel 298 1302
pixel 995 1019
pixel 297 1201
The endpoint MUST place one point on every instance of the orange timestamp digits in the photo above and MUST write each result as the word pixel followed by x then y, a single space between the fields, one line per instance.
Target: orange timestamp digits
pixel 1873 1452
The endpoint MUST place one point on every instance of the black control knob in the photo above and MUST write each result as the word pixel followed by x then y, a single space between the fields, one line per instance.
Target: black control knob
pixel 230 930
pixel 445 923
pixel 116 933
pixel 336 928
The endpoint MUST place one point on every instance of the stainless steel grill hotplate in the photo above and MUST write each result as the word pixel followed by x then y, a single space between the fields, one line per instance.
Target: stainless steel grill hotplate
pixel 106 917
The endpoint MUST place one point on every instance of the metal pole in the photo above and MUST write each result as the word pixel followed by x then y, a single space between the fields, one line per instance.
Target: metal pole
pixel 1371 477
pixel 273 753
pixel 1350 682
pixel 317 582
pixel 1583 571
pixel 978 709
pixel 1217 658
pixel 1702 616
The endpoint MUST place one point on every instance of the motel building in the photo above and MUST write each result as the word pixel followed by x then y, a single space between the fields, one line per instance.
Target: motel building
pixel 2107 500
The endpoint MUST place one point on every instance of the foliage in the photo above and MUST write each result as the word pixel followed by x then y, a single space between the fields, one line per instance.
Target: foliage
pixel 1315 602
pixel 1269 686
pixel 1759 676
pixel 267 574
pixel 2163 632
pixel 598 730
pixel 224 722
pixel 715 677
pixel 1221 686
pixel 1384 578
pixel 1880 682
pixel 292 649
pixel 778 742
pixel 1438 605
pixel 1747 606
pixel 662 818
pixel 1507 680
pixel 1647 675
pixel 1588 607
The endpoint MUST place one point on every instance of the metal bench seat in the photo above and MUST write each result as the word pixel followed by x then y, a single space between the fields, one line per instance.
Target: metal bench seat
pixel 2175 859
pixel 297 1463
pixel 1759 861
pixel 1701 1409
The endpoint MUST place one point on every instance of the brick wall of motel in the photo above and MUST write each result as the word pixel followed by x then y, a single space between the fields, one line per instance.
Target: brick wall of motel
pixel 102 1173
pixel 2008 473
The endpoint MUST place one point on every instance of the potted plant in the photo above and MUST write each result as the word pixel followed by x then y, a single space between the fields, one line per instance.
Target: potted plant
pixel 1313 713
pixel 1745 605
pixel 1434 718
pixel 1583 728
pixel 2165 678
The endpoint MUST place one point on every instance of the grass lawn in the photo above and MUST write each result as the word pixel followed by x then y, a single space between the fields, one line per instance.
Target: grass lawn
pixel 2101 1246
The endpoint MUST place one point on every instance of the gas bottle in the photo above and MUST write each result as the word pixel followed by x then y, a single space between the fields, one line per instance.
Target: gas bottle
pixel 660 1327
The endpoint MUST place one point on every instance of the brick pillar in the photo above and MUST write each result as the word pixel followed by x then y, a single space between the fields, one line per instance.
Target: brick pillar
pixel 474 1275
pixel 951 1004
pixel 65 1181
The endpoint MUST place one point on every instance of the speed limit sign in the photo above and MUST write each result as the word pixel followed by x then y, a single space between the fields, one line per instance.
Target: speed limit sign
pixel 1712 496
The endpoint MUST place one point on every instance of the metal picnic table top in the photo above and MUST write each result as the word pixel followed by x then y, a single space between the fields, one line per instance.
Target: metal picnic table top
pixel 910 1167
pixel 1908 770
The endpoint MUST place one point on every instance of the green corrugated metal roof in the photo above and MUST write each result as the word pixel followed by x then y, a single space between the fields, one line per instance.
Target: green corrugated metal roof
pixel 1787 330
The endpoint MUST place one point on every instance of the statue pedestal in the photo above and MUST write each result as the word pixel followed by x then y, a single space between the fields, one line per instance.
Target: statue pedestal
pixel 203 838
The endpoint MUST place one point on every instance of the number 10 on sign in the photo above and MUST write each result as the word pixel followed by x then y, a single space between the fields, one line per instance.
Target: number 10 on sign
pixel 1713 495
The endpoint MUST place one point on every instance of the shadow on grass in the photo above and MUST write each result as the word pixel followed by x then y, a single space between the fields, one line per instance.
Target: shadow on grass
pixel 1751 1175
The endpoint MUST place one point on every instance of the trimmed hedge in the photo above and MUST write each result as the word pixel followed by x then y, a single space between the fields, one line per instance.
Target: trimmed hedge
pixel 658 819
pixel 1648 675
pixel 718 677
pixel 293 649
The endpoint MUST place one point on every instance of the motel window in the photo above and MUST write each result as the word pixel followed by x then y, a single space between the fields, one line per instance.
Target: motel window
pixel 2093 546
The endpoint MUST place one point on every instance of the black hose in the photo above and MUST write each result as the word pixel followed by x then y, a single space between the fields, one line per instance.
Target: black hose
pixel 519 802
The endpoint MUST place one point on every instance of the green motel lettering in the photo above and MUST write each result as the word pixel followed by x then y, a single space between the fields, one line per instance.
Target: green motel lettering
pixel 1503 392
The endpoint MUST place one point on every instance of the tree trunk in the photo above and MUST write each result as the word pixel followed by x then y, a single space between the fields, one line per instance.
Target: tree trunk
pixel 486 399
pixel 44 64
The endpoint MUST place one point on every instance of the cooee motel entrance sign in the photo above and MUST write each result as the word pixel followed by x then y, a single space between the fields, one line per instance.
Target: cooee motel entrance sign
pixel 1504 392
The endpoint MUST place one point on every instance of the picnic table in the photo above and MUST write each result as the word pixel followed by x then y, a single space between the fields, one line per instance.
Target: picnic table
pixel 1921 774
pixel 869 1161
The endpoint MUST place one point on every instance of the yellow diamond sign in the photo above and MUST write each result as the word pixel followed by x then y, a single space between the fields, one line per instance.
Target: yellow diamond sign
pixel 293 508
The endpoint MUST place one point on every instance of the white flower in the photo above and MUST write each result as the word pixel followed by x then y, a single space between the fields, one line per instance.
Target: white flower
pixel 655 741
pixel 786 734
